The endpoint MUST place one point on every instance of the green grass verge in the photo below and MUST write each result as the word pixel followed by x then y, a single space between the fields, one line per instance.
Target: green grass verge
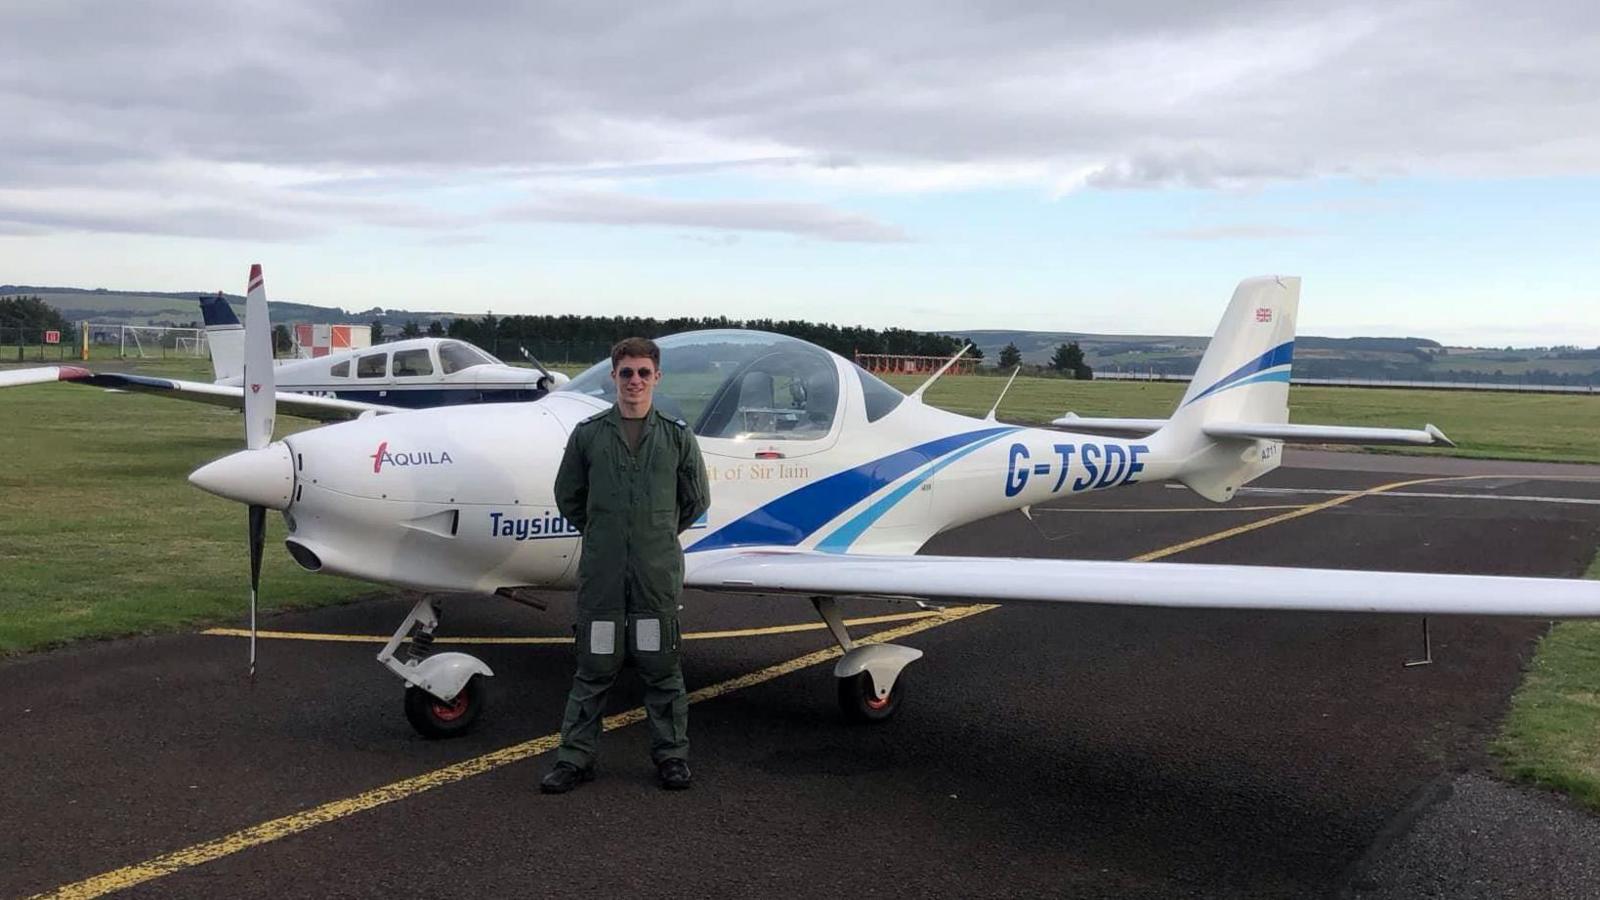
pixel 101 534
pixel 1551 427
pixel 1551 736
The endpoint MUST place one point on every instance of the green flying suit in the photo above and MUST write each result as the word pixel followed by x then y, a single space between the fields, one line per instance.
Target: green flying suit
pixel 630 506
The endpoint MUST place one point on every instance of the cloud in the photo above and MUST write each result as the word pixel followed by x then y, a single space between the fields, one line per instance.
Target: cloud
pixel 409 101
pixel 808 220
pixel 186 221
pixel 1191 169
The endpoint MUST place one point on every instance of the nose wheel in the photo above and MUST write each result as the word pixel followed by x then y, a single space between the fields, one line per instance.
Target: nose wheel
pixel 435 718
pixel 444 691
pixel 859 698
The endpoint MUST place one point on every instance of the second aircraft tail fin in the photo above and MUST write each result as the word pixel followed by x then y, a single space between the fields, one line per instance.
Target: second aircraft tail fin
pixel 225 337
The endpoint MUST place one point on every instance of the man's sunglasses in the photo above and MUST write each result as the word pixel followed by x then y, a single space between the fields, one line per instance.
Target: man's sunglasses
pixel 626 374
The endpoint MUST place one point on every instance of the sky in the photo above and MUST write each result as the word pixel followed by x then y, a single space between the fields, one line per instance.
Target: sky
pixel 1429 168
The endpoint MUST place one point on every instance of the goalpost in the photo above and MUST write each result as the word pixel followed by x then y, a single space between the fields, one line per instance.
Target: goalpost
pixel 148 341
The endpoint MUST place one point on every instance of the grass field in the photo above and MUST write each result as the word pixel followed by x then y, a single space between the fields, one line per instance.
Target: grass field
pixel 1551 737
pixel 100 533
pixel 1490 425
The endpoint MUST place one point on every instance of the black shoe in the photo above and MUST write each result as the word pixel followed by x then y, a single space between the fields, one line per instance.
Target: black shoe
pixel 564 777
pixel 674 774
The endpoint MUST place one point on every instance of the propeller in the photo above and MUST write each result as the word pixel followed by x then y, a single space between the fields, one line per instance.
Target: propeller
pixel 548 379
pixel 260 407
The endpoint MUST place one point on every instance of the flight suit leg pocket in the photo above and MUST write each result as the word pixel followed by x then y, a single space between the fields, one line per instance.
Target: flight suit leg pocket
pixel 600 647
pixel 653 643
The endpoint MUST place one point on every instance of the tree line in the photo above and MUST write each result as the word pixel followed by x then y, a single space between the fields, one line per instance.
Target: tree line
pixel 490 331
pixel 30 316
pixel 1068 360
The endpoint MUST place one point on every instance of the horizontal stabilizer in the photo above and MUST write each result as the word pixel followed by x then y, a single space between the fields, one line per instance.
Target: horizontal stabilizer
pixel 1091 425
pixel 1428 435
pixel 1325 434
pixel 1172 585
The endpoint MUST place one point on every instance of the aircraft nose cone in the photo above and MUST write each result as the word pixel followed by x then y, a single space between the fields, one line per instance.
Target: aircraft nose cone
pixel 262 477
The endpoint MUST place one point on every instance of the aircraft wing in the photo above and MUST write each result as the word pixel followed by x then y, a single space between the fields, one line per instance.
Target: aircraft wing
pixel 38 375
pixel 1161 584
pixel 325 409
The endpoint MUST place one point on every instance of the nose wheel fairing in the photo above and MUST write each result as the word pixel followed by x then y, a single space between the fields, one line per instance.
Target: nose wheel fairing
pixel 440 697
pixel 870 686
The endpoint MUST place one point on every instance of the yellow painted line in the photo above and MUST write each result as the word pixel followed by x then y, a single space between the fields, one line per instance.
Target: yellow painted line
pixel 810 626
pixel 295 823
pixel 364 638
pixel 1275 520
pixel 691 636
pixel 1068 510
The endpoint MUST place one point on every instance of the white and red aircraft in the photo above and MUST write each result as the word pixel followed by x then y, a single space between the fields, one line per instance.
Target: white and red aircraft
pixel 825 482
pixel 415 373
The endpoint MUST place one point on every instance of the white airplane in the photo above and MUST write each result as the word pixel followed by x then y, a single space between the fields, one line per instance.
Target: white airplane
pixel 400 375
pixel 825 482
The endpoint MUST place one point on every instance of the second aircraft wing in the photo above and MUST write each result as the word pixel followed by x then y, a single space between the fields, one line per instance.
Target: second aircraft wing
pixel 325 409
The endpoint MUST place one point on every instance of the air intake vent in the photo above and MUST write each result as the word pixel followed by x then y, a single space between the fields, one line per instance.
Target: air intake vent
pixel 303 555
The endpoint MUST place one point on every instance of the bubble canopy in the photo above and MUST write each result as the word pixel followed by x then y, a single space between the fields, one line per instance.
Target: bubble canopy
pixel 738 384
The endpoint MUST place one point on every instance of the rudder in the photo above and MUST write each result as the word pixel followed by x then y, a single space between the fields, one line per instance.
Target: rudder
pixel 1243 377
pixel 225 337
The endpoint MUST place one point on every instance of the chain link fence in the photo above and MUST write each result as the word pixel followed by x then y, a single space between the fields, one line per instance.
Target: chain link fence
pixel 27 343
pixel 22 343
pixel 551 353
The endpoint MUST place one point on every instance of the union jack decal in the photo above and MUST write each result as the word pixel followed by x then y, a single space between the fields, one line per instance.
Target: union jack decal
pixel 1263 314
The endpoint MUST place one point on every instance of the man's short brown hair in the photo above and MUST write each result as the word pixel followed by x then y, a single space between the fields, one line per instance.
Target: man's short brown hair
pixel 636 347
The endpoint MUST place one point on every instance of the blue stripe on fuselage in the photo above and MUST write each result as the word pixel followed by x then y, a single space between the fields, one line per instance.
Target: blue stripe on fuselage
pixel 793 517
pixel 1281 355
pixel 424 398
pixel 845 535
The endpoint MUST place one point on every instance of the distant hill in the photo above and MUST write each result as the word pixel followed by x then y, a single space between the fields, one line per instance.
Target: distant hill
pixel 180 308
pixel 1405 358
pixel 1398 359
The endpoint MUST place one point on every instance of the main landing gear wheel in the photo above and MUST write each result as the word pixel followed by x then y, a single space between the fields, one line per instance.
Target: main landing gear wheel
pixel 434 718
pixel 859 700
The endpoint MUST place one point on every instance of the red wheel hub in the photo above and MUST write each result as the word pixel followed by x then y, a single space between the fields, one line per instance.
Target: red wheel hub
pixel 455 709
pixel 875 702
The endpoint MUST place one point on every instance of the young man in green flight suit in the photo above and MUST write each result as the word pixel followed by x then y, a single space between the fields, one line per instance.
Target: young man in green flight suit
pixel 631 481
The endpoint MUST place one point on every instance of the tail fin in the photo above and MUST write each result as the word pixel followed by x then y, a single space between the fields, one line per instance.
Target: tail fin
pixel 225 337
pixel 1243 378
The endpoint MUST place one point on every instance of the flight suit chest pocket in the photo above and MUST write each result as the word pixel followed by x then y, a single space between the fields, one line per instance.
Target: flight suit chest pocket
pixel 609 480
pixel 663 479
